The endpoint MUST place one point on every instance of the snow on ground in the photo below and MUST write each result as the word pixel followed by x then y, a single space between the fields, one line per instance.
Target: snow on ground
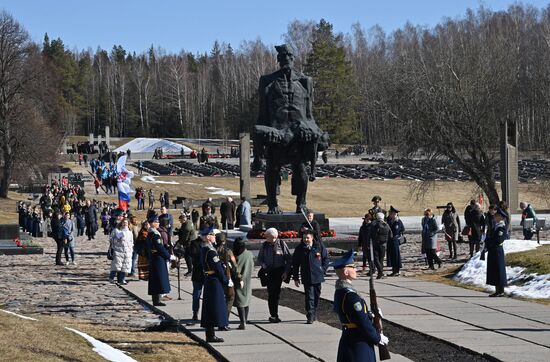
pixel 139 145
pixel 521 284
pixel 152 180
pixel 103 349
pixel 18 315
pixel 220 191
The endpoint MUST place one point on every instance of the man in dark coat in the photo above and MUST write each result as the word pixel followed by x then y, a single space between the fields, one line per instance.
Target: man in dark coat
pixel 166 199
pixel 90 216
pixel 358 333
pixel 380 233
pixel 158 256
pixel 477 226
pixel 186 235
pixel 197 274
pixel 496 267
pixel 394 253
pixel 57 235
pixel 309 263
pixel 164 214
pixel 364 240
pixel 214 312
pixel 227 211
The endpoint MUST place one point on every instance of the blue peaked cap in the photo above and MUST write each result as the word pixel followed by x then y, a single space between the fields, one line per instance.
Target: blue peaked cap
pixel 347 260
pixel 207 230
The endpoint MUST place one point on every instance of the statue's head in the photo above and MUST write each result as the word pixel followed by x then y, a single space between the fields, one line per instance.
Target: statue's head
pixel 285 56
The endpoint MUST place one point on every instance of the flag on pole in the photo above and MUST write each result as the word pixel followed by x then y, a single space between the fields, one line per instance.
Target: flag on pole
pixel 124 178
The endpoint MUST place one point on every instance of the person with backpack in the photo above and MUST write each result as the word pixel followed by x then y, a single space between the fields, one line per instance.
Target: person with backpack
pixel 380 232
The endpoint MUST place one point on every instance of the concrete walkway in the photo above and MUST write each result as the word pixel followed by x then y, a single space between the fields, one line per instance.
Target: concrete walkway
pixel 291 340
pixel 504 328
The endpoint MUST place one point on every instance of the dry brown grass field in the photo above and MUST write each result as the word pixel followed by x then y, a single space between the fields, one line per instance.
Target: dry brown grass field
pixel 337 197
pixel 48 340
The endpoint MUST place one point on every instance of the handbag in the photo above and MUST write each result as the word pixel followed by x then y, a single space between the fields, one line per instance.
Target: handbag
pixel 110 254
pixel 262 274
pixel 402 240
pixel 467 231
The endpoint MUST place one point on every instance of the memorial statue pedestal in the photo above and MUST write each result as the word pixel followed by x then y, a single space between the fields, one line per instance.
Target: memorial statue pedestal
pixel 286 221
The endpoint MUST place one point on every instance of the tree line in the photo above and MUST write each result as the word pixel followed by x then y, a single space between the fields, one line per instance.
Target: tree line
pixel 443 89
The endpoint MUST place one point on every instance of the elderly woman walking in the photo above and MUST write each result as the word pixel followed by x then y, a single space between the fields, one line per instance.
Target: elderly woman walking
pixel 243 293
pixel 122 244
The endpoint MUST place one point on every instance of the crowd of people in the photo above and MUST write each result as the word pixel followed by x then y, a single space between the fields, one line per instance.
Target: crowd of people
pixel 222 276
pixel 62 212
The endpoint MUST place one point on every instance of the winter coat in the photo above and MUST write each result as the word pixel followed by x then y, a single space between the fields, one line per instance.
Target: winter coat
pixel 310 264
pixel 496 266
pixel 68 231
pixel 122 244
pixel 451 221
pixel 429 233
pixel 245 266
pixel 394 253
pixel 159 282
pixel 246 214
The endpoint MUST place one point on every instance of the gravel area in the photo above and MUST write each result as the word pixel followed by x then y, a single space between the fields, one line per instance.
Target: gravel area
pixel 34 284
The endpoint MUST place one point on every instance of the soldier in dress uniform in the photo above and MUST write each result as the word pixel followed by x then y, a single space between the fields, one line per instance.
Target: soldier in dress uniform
pixel 214 311
pixel 496 268
pixel 358 333
pixel 158 256
pixel 376 206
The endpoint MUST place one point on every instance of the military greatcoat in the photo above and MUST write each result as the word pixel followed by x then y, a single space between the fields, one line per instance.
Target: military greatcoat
pixel 496 268
pixel 158 270
pixel 358 333
pixel 214 311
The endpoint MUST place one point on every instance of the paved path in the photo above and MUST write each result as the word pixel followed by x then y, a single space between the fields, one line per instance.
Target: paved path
pixel 291 340
pixel 504 328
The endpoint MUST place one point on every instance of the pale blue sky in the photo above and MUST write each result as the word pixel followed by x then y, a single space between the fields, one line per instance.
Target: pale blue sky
pixel 194 25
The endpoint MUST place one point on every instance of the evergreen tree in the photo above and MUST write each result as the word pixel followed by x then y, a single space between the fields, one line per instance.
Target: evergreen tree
pixel 335 94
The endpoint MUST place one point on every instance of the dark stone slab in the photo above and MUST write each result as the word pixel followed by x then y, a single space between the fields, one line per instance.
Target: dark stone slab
pixel 9 231
pixel 286 221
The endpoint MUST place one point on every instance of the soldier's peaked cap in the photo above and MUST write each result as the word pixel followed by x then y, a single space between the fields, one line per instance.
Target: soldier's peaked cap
pixel 393 209
pixel 345 261
pixel 376 198
pixel 284 49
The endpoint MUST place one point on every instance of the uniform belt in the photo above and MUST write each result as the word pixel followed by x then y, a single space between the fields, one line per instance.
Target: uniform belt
pixel 349 325
pixel 209 272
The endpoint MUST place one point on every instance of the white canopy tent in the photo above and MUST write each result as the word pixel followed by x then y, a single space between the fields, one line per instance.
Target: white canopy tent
pixel 149 145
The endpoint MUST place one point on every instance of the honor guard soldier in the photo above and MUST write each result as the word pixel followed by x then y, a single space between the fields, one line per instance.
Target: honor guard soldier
pixel 159 282
pixel 358 333
pixel 496 267
pixel 214 311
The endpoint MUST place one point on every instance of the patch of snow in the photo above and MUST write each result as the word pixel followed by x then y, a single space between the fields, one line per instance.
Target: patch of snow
pixel 521 284
pixel 18 315
pixel 220 191
pixel 191 183
pixel 103 349
pixel 225 193
pixel 152 180
pixel 139 145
